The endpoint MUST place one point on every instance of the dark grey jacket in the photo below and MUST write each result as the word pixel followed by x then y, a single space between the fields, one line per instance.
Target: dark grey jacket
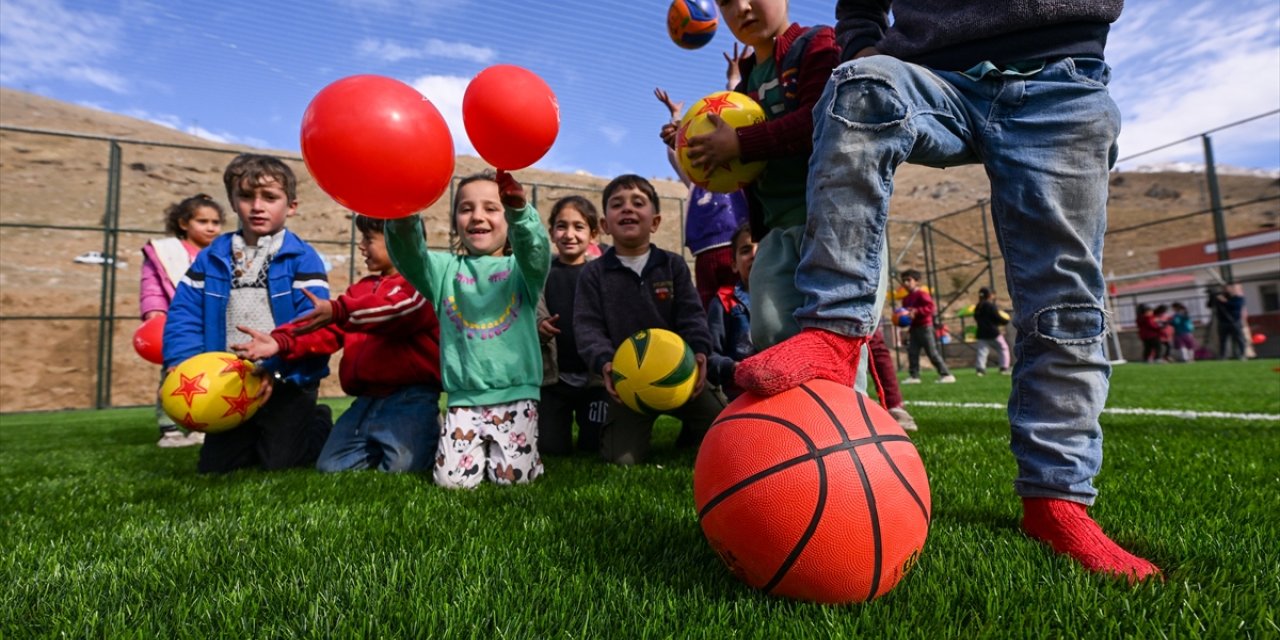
pixel 612 302
pixel 954 36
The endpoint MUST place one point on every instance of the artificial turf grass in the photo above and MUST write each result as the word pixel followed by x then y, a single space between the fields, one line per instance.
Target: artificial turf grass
pixel 106 534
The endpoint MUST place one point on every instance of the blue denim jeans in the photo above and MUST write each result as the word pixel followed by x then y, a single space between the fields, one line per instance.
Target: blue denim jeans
pixel 393 433
pixel 1047 142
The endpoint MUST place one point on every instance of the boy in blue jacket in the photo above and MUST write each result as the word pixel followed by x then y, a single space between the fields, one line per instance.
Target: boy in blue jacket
pixel 256 278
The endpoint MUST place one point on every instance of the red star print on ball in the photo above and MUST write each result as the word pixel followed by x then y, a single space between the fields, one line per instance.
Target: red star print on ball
pixel 191 424
pixel 190 387
pixel 238 404
pixel 716 104
pixel 240 367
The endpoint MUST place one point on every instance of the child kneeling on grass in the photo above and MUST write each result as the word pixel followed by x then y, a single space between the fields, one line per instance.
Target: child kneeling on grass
pixel 390 361
pixel 491 365
pixel 635 286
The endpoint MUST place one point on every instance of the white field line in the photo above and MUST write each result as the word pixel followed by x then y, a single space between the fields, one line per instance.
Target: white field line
pixel 1170 413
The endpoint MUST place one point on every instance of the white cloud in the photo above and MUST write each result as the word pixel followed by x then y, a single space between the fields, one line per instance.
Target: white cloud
pixel 445 92
pixel 40 40
pixel 176 122
pixel 389 51
pixel 613 133
pixel 1182 70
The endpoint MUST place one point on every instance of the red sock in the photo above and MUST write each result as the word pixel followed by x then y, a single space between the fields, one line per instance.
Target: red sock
pixel 1067 528
pixel 813 353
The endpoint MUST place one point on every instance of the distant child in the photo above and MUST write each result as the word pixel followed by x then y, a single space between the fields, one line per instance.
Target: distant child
pixel 1163 319
pixel 487 293
pixel 710 220
pixel 729 317
pixel 570 391
pixel 193 223
pixel 785 75
pixel 256 278
pixel 990 320
pixel 390 341
pixel 885 371
pixel 1228 306
pixel 1184 328
pixel 920 304
pixel 635 286
pixel 1149 332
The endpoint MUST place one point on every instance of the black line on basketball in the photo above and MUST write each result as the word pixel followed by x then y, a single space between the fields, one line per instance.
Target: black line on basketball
pixel 844 435
pixel 894 466
pixel 751 479
pixel 803 542
pixel 814 454
pixel 871 504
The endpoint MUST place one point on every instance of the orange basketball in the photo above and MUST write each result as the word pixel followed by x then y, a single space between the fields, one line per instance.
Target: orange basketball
pixel 815 494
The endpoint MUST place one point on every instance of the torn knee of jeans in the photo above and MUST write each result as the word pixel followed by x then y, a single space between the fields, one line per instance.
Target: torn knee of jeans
pixel 868 102
pixel 1071 324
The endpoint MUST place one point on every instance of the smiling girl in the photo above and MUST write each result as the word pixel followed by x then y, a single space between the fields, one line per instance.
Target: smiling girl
pixel 486 299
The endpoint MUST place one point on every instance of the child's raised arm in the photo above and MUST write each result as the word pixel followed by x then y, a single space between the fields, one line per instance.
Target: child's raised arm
pixel 407 247
pixel 529 241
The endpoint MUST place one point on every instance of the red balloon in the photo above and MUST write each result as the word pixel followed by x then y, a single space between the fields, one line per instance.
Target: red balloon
pixel 148 340
pixel 377 146
pixel 1259 337
pixel 511 116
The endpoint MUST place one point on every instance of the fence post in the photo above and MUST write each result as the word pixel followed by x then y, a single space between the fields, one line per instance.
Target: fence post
pixel 106 301
pixel 1215 202
pixel 986 244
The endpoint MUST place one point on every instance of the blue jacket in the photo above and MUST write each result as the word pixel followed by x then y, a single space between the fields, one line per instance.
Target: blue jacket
pixel 729 320
pixel 197 321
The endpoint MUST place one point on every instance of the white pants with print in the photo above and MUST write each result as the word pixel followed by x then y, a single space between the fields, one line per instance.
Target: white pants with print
pixel 500 440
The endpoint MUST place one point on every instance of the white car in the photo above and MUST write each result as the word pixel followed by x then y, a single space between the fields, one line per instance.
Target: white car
pixel 96 257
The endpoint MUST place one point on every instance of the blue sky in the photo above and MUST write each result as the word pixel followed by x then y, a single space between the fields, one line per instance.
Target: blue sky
pixel 241 71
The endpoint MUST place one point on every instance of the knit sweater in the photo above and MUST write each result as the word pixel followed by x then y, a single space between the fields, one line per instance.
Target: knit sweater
pixel 954 36
pixel 489 349
pixel 613 302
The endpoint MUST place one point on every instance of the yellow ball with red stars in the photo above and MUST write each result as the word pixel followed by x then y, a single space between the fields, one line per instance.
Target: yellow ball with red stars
pixel 211 392
pixel 737 110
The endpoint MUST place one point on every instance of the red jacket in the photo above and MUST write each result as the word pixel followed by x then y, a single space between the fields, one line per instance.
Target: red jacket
pixel 791 134
pixel 1149 327
pixel 922 307
pixel 389 335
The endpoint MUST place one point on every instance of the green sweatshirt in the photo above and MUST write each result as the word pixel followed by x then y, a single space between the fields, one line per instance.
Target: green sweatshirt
pixel 489 348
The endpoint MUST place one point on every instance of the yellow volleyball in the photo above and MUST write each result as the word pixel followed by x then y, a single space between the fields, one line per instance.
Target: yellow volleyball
pixel 737 110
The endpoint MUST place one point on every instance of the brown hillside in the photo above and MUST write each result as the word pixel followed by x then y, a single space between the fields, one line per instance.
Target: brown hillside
pixel 62 180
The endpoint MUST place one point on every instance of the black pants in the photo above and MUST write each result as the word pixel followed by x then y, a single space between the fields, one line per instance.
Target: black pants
pixel 288 431
pixel 560 406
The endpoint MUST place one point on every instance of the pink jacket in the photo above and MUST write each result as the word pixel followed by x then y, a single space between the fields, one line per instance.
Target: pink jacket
pixel 156 288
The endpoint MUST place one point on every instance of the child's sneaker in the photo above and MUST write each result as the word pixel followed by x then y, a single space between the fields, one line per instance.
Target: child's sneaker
pixel 904 419
pixel 981 374
pixel 175 439
pixel 1006 372
pixel 947 379
pixel 911 380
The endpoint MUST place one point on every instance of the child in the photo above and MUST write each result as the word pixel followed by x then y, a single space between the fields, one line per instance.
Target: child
pixel 1166 332
pixel 922 308
pixel 785 75
pixel 1149 332
pixel 1024 93
pixel 635 286
pixel 1183 333
pixel 489 357
pixel 886 374
pixel 710 220
pixel 569 390
pixel 256 278
pixel 390 341
pixel 729 317
pixel 193 223
pixel 990 319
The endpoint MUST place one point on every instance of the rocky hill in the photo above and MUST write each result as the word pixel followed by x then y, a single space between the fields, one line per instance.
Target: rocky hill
pixel 60 179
